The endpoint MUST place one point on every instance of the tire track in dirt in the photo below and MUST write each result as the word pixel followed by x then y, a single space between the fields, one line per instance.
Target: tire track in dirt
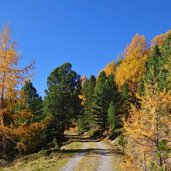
pixel 72 163
pixel 105 160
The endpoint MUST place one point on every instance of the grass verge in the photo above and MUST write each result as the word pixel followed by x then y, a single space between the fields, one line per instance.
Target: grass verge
pixel 41 162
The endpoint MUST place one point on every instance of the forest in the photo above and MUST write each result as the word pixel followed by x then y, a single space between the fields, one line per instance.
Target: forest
pixel 129 100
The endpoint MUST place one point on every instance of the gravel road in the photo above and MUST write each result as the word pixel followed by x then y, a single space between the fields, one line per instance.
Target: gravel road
pixel 72 163
pixel 105 157
pixel 103 162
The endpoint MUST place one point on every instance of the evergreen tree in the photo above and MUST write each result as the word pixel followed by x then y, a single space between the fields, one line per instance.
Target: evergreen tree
pixel 124 93
pixel 112 116
pixel 168 81
pixel 85 121
pixel 125 100
pixel 100 101
pixel 153 69
pixel 153 66
pixel 166 57
pixel 156 70
pixel 62 103
pixel 115 105
pixel 33 101
pixel 105 92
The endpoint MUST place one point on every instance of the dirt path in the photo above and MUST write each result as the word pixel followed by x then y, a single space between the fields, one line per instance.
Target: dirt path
pixel 80 154
pixel 72 163
pixel 105 157
pixel 94 156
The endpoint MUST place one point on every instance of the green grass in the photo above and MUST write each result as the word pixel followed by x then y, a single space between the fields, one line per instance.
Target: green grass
pixel 118 130
pixel 91 132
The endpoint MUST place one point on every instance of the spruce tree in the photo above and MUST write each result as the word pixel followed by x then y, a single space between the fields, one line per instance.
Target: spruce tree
pixel 166 57
pixel 156 70
pixel 105 92
pixel 153 66
pixel 100 101
pixel 33 101
pixel 115 105
pixel 112 118
pixel 85 121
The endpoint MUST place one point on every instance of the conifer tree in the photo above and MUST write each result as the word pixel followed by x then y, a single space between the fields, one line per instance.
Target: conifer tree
pixel 166 56
pixel 148 128
pixel 132 68
pixel 109 68
pixel 85 121
pixel 112 116
pixel 62 102
pixel 153 66
pixel 105 92
pixel 33 101
pixel 13 122
pixel 101 101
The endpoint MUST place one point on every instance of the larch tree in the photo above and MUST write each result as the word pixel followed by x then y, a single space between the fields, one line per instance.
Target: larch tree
pixel 159 39
pixel 148 128
pixel 12 126
pixel 110 68
pixel 132 68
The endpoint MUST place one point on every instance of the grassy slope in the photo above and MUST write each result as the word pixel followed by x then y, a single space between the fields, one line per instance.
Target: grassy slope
pixel 43 162
pixel 40 161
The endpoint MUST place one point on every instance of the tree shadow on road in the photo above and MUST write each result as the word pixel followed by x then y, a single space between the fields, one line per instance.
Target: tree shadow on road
pixel 100 151
pixel 104 152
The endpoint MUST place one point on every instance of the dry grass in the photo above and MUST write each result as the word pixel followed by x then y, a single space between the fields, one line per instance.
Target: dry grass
pixel 43 163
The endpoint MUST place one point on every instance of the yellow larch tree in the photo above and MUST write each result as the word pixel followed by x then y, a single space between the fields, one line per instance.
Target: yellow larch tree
pixel 132 68
pixel 148 131
pixel 13 120
pixel 159 39
pixel 109 68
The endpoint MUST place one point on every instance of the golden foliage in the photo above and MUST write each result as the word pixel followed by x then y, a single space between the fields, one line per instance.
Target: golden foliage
pixel 147 127
pixel 110 68
pixel 12 119
pixel 159 39
pixel 132 68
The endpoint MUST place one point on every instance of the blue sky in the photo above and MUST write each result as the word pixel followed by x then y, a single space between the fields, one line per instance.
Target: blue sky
pixel 87 33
